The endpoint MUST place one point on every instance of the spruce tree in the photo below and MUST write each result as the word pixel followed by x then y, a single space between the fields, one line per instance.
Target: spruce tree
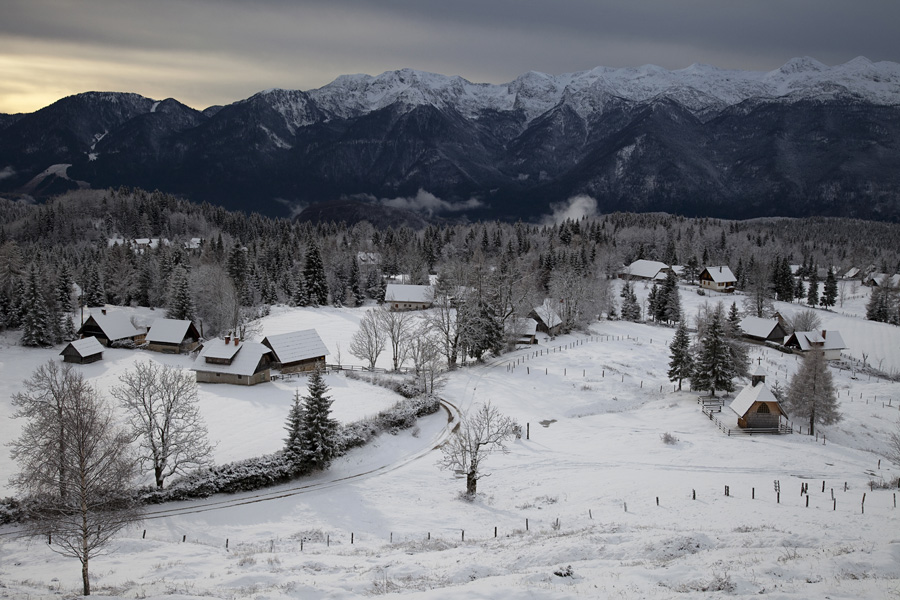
pixel 681 362
pixel 319 435
pixel 670 311
pixel 93 294
pixel 631 310
pixel 314 276
pixel 812 295
pixel 293 443
pixel 714 368
pixel 830 293
pixel 811 394
pixel 180 304
pixel 37 327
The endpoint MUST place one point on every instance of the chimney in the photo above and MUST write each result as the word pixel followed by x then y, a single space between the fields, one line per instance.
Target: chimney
pixel 236 340
pixel 102 311
pixel 824 333
pixel 227 339
pixel 720 269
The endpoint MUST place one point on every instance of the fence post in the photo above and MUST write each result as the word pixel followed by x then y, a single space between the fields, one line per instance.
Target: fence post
pixel 526 524
pixel 144 536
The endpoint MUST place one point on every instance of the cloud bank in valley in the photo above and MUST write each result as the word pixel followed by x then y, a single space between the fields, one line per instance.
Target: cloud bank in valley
pixel 574 208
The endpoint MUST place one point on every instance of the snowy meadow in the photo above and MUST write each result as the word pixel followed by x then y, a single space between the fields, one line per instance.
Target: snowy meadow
pixel 617 488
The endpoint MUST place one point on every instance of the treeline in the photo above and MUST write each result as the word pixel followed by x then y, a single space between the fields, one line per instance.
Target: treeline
pixel 80 248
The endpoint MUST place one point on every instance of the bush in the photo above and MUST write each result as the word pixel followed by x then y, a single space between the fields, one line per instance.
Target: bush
pixel 10 511
pixel 668 438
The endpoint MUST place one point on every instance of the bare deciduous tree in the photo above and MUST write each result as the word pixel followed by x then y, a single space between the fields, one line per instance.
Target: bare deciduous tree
pixel 397 328
pixel 80 496
pixel 480 434
pixel 806 320
pixel 163 417
pixel 425 351
pixel 369 340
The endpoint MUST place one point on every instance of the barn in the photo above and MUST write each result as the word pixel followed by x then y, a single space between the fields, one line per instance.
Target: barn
pixel 763 330
pixel 408 297
pixel 83 351
pixel 112 328
pixel 172 335
pixel 297 351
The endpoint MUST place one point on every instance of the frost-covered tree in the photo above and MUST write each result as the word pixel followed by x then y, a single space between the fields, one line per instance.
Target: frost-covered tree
pixel 319 434
pixel 293 443
pixel 811 394
pixel 93 293
pixel 368 342
pixel 806 320
pixel 180 304
pixel 830 292
pixel 631 310
pixel 314 275
pixel 812 294
pixel 714 366
pixel 681 361
pixel 397 327
pixel 38 328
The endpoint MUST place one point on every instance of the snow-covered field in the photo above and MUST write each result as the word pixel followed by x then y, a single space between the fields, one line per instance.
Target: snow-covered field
pixel 594 494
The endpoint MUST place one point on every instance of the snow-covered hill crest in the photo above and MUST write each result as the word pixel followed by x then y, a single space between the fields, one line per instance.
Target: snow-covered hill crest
pixel 699 88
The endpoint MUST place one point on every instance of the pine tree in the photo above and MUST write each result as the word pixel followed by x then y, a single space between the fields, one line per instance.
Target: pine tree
pixel 670 311
pixel 681 362
pixel 319 435
pixel 653 303
pixel 812 296
pixel 830 293
pixel 93 294
pixel 631 310
pixel 293 443
pixel 301 297
pixel 714 368
pixel 37 327
pixel 180 304
pixel 314 276
pixel 811 394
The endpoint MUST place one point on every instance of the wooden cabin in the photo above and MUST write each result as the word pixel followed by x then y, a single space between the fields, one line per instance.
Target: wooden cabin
pixel 83 351
pixel 548 320
pixel 111 328
pixel 756 406
pixel 763 330
pixel 829 342
pixel 297 351
pixel 233 361
pixel 173 336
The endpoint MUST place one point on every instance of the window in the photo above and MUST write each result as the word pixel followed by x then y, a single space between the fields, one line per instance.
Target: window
pixel 763 408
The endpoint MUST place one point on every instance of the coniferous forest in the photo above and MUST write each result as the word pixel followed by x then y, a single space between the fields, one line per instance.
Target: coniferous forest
pixel 222 269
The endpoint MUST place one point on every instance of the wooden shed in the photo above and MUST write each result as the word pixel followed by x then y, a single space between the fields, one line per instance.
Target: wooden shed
pixel 297 351
pixel 408 297
pixel 756 406
pixel 83 351
pixel 172 335
pixel 548 320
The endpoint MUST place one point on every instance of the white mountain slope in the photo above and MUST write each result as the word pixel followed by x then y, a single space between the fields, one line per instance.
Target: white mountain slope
pixel 700 88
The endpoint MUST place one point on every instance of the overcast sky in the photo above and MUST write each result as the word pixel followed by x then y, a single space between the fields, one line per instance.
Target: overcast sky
pixel 205 52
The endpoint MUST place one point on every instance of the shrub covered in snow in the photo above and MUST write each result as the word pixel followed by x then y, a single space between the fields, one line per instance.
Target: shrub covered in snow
pixel 10 511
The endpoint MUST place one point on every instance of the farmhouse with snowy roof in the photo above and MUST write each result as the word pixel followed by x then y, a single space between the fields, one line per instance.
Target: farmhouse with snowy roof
pixel 645 269
pixel 524 331
pixel 763 330
pixel 112 328
pixel 408 297
pixel 83 351
pixel 718 279
pixel 233 361
pixel 830 342
pixel 882 280
pixel 757 408
pixel 296 351
pixel 172 335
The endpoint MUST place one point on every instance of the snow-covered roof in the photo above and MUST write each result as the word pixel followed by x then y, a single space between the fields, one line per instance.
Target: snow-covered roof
pixel 646 269
pixel 408 293
pixel 246 357
pixel 116 326
pixel 721 274
pixel 368 258
pixel 548 314
pixel 220 349
pixel 525 327
pixel 751 394
pixel 757 327
pixel 193 243
pixel 878 278
pixel 86 346
pixel 825 340
pixel 851 273
pixel 296 345
pixel 168 331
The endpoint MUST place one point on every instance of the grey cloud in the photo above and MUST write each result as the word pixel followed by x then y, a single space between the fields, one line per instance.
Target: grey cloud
pixel 428 203
pixel 574 208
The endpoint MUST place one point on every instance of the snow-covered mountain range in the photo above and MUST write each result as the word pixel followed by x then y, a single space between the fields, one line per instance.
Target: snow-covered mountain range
pixel 802 139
